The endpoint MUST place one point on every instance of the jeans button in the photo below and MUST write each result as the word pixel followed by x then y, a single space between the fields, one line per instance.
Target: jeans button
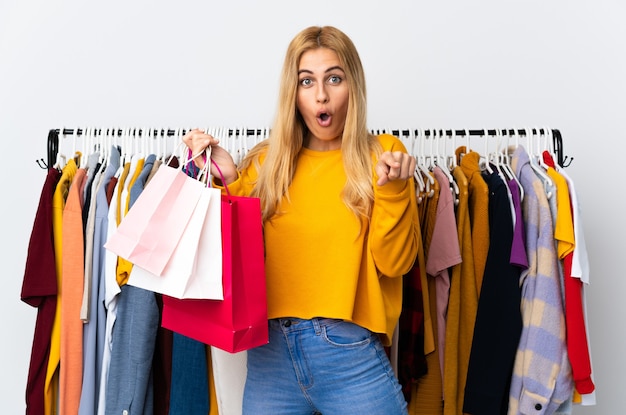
pixel 287 323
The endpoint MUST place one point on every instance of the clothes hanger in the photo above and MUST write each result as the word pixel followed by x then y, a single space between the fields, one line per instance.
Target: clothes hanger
pixel 60 158
pixel 145 142
pixel 429 180
pixel 549 147
pixel 441 163
pixel 485 156
pixel 244 143
pixel 87 147
pixel 419 180
pixel 178 136
pixel 547 181
pixel 99 145
pixel 505 164
pixel 447 171
pixel 150 146
pixel 467 148
pixel 541 147
pixel 451 162
pixel 238 145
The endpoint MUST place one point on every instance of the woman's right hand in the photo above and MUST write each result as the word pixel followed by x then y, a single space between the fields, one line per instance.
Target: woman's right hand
pixel 197 141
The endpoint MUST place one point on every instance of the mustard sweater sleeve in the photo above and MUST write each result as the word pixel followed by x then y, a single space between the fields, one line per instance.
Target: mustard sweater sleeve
pixel 394 228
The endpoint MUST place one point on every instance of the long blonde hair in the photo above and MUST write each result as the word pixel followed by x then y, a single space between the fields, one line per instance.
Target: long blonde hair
pixel 289 130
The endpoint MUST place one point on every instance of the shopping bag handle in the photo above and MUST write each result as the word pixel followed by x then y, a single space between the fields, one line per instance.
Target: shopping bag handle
pixel 206 157
pixel 221 176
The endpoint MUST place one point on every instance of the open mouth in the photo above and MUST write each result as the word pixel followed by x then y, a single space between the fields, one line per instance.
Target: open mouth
pixel 324 119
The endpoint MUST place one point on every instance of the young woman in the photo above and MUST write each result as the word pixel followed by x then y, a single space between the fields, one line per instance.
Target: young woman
pixel 340 228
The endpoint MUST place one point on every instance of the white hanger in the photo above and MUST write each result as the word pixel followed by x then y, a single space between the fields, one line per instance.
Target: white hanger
pixel 61 159
pixel 148 145
pixel 86 147
pixel 155 143
pixel 238 144
pixel 404 138
pixel 547 181
pixel 441 162
pixel 419 180
pixel 244 143
pixel 99 145
pixel 505 165
pixel 423 166
pixel 451 162
pixel 541 146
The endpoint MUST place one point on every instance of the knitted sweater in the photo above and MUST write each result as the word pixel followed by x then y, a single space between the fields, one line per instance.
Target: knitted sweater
pixel 319 264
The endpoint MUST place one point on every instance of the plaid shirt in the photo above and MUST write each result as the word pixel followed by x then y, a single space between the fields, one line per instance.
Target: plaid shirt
pixel 542 377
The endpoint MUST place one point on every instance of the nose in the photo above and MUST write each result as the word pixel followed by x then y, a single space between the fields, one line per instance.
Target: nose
pixel 322 95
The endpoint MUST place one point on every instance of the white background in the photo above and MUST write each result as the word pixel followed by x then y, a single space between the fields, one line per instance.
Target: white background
pixel 447 64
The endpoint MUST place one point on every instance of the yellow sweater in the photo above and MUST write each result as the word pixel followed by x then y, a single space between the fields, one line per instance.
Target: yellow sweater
pixel 317 262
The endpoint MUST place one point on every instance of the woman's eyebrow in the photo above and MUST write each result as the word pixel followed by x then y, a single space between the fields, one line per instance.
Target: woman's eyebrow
pixel 332 68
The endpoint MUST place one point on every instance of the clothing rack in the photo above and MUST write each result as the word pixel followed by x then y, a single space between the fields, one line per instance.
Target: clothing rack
pixel 561 158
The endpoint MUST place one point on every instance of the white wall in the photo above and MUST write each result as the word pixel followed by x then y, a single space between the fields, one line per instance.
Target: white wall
pixel 453 64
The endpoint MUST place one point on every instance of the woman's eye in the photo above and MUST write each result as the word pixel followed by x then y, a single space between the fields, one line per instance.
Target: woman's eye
pixel 305 82
pixel 334 79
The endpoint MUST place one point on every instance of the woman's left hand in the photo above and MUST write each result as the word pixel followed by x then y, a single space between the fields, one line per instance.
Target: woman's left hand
pixel 395 165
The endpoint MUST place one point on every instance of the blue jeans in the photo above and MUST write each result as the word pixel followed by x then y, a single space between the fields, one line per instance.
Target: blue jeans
pixel 321 365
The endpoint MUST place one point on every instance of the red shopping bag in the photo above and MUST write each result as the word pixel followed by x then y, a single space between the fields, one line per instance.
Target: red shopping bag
pixel 239 321
pixel 148 234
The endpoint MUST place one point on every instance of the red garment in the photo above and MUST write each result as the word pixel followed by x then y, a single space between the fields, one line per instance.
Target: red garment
pixel 39 289
pixel 577 345
pixel 411 357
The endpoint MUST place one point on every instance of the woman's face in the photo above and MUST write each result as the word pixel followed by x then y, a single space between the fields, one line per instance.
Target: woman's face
pixel 322 98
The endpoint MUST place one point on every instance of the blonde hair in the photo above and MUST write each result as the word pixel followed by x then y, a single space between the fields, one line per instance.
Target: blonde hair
pixel 289 130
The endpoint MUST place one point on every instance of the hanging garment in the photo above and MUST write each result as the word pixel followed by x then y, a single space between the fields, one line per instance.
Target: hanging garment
pixel 189 393
pixel 73 266
pixel 577 347
pixel 39 289
pixel 129 383
pixel 411 361
pixel 444 252
pixel 498 321
pixel 518 246
pixel 478 210
pixel 427 398
pixel 93 299
pixel 59 199
pixel 229 375
pixel 162 361
pixel 94 174
pixel 542 350
pixel 462 307
pixel 109 278
pixel 580 271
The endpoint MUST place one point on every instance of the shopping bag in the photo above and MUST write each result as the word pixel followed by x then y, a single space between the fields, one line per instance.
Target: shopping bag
pixel 239 321
pixel 195 267
pixel 149 232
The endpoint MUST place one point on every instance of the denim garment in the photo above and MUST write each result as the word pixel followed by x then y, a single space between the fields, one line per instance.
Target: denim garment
pixel 323 366
pixel 189 390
